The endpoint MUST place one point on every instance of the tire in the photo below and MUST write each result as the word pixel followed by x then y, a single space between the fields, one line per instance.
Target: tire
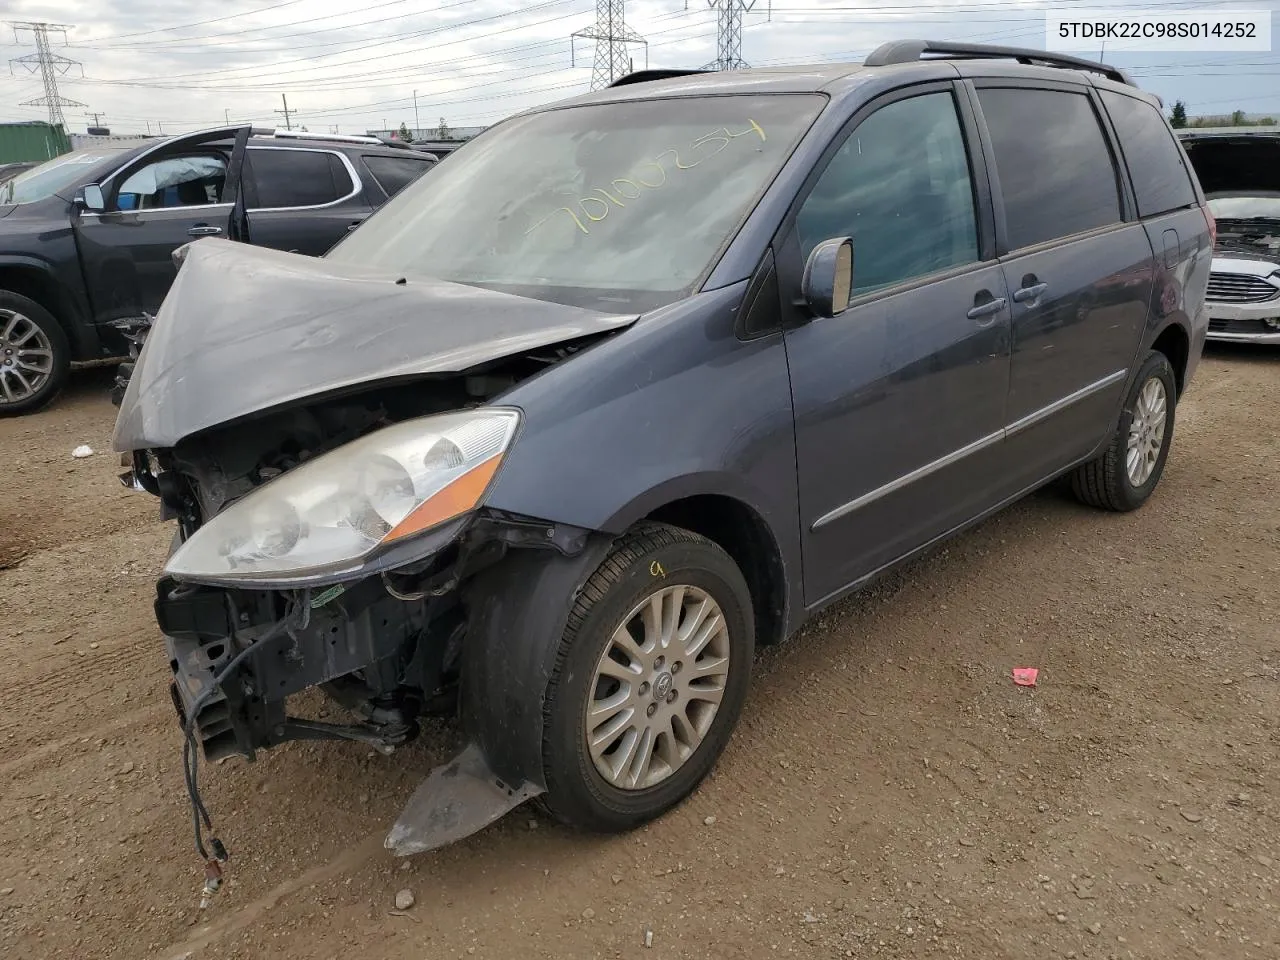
pixel 645 563
pixel 1106 482
pixel 24 322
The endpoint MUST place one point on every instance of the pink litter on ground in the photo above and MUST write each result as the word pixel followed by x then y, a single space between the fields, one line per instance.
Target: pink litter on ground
pixel 1025 676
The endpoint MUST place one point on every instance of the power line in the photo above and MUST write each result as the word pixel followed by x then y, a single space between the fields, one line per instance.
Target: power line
pixel 50 65
pixel 201 23
pixel 205 40
pixel 274 69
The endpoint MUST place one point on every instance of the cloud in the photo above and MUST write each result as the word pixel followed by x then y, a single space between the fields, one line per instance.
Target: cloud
pixel 475 61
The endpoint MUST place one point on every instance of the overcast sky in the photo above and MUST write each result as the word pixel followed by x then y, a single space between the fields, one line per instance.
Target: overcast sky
pixel 188 64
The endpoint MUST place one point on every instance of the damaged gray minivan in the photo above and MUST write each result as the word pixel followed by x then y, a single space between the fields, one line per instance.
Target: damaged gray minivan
pixel 637 382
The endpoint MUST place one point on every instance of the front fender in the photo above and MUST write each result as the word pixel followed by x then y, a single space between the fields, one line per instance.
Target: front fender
pixel 517 614
pixel 63 296
pixel 673 407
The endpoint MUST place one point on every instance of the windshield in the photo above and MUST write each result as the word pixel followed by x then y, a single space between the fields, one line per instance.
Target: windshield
pixel 618 206
pixel 52 177
pixel 1245 208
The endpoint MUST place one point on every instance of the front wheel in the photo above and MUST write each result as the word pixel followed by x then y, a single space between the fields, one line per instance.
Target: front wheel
pixel 648 682
pixel 1126 474
pixel 34 355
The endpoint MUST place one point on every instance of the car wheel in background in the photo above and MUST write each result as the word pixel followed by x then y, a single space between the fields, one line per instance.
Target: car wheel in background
pixel 34 355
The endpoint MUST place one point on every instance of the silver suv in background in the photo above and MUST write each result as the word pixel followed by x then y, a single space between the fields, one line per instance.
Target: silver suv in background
pixel 1239 170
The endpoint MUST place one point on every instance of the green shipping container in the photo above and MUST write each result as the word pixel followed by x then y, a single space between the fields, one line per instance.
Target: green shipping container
pixel 35 140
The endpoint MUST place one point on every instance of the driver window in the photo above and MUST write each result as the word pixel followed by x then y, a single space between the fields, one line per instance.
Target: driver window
pixel 174 182
pixel 900 186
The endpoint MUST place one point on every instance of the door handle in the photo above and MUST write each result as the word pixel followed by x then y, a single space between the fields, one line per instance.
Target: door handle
pixel 990 308
pixel 1032 292
pixel 352 226
pixel 204 230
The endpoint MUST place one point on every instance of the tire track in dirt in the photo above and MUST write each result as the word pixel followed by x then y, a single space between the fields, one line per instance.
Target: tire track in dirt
pixel 78 696
pixel 231 923
pixel 77 665
pixel 60 748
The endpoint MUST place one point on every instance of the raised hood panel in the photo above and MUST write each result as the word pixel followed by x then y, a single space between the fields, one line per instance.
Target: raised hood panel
pixel 245 329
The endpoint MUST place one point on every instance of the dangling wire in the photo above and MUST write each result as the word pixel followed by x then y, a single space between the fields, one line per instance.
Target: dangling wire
pixel 200 820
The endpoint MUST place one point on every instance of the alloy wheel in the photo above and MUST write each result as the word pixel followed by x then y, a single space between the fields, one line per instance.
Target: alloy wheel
pixel 26 357
pixel 1146 431
pixel 657 687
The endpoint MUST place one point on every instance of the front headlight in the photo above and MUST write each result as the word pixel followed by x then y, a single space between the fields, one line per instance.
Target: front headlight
pixel 330 514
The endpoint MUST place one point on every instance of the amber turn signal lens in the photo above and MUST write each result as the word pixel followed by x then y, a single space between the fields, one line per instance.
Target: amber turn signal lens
pixel 456 498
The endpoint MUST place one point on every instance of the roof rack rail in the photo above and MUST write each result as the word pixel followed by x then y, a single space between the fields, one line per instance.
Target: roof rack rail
pixel 648 76
pixel 909 51
pixel 393 142
pixel 338 137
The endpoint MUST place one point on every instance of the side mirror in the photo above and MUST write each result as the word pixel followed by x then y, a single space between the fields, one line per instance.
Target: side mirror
pixel 828 277
pixel 93 198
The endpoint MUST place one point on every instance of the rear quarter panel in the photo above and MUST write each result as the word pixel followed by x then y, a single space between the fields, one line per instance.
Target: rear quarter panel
pixel 1184 256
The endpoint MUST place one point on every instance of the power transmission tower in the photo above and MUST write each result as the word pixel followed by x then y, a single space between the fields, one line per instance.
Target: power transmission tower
pixel 612 35
pixel 50 65
pixel 729 32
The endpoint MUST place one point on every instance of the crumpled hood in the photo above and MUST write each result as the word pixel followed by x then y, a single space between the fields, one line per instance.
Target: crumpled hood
pixel 246 329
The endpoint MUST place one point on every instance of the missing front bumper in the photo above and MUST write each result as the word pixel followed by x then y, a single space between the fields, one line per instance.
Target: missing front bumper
pixel 358 651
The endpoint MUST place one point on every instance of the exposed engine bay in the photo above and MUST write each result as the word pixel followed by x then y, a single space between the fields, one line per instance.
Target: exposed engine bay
pixel 1240 176
pixel 385 647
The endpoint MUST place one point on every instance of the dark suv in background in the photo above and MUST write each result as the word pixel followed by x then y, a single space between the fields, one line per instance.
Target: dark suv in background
pixel 86 238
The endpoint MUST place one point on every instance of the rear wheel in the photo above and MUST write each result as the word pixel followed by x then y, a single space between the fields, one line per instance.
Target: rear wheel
pixel 1126 474
pixel 34 355
pixel 649 680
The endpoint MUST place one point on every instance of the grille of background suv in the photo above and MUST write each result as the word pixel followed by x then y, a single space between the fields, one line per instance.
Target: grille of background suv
pixel 1240 288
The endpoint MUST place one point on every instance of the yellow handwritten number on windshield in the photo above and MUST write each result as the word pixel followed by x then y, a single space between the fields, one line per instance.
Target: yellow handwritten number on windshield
pixel 703 148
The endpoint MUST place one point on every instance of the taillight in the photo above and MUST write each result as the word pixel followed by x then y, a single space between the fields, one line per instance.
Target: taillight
pixel 1213 224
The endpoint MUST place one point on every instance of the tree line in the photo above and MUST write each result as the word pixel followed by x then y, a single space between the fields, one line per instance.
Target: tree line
pixel 1178 119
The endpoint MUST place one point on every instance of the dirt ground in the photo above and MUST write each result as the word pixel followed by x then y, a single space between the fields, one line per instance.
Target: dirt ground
pixel 890 792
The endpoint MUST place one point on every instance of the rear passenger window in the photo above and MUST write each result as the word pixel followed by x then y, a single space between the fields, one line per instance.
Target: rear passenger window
pixel 900 186
pixel 294 178
pixel 1160 179
pixel 1056 172
pixel 395 173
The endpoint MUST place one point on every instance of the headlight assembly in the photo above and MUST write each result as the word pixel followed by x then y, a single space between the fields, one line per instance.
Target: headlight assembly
pixel 332 514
